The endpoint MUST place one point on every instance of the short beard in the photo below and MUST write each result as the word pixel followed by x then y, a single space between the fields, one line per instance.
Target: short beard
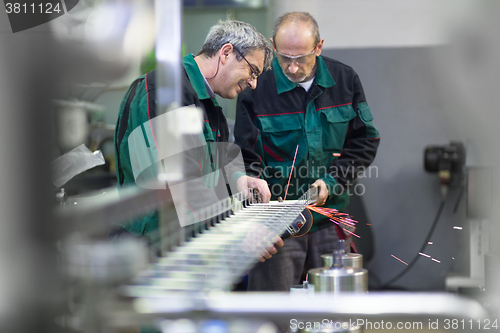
pixel 300 79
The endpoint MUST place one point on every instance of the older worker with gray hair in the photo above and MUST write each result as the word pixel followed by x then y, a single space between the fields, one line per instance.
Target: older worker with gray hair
pixel 233 55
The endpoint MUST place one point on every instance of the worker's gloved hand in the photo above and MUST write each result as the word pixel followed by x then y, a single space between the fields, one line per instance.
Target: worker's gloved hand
pixel 260 241
pixel 246 182
pixel 322 192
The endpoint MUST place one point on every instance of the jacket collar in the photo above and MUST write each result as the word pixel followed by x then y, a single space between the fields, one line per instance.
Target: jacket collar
pixel 322 76
pixel 195 77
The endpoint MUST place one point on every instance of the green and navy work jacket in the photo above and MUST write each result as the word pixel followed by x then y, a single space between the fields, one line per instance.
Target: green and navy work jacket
pixel 328 130
pixel 201 165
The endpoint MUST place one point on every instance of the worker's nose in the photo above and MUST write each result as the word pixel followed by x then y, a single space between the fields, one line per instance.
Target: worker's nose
pixel 252 83
pixel 293 68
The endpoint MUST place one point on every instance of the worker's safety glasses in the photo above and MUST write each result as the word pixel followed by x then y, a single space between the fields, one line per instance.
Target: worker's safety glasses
pixel 254 74
pixel 299 59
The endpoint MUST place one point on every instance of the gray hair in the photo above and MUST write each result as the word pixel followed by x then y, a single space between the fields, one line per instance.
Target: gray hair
pixel 296 17
pixel 244 37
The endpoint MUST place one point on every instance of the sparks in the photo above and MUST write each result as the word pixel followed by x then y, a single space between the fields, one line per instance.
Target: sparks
pixel 341 219
pixel 430 243
pixel 425 255
pixel 458 228
pixel 436 260
pixel 392 255
pixel 352 233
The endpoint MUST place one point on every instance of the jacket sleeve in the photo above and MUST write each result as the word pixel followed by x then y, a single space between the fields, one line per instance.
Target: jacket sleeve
pixel 360 145
pixel 247 136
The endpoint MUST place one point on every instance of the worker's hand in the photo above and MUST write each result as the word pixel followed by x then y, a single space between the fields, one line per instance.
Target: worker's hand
pixel 246 182
pixel 261 242
pixel 322 192
pixel 271 249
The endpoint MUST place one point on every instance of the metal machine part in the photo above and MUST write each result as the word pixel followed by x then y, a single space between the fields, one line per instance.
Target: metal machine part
pixel 304 288
pixel 95 268
pixel 61 197
pixel 74 121
pixel 348 260
pixel 104 262
pixel 300 226
pixel 339 279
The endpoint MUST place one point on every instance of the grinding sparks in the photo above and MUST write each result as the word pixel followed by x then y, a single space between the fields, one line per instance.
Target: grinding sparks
pixel 392 255
pixel 457 228
pixel 341 219
pixel 352 233
pixel 428 256
pixel 430 243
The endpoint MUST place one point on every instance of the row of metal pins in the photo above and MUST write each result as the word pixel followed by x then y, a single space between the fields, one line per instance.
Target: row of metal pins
pixel 201 263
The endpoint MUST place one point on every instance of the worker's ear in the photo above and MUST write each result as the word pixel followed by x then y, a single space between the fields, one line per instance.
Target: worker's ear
pixel 319 47
pixel 272 42
pixel 225 52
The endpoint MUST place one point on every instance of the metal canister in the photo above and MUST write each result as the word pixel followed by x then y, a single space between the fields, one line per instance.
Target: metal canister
pixel 348 260
pixel 339 279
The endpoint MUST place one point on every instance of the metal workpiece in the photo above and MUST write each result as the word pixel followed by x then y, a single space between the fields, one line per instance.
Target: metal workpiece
pixel 203 245
pixel 209 254
pixel 198 263
pixel 214 238
pixel 218 257
pixel 188 275
pixel 193 284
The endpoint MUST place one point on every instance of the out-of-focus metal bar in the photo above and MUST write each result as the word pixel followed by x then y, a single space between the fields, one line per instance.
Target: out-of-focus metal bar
pixel 274 306
pixel 96 215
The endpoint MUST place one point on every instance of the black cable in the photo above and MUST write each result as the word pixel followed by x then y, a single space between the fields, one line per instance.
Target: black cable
pixel 429 235
pixel 218 63
pixel 462 189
